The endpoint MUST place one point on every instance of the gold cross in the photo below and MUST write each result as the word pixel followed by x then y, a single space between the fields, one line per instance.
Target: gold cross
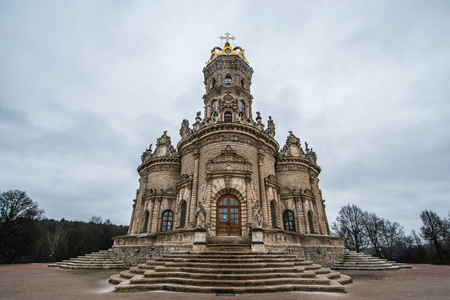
pixel 227 37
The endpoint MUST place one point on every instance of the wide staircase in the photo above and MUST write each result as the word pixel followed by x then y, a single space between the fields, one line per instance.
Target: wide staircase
pixel 104 259
pixel 229 269
pixel 353 260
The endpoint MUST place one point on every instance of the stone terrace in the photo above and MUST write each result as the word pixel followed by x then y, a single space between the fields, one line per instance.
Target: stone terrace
pixel 230 270
pixel 104 259
pixel 360 261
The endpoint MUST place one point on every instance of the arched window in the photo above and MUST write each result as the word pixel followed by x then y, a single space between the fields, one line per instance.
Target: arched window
pixel 242 107
pixel 213 82
pixel 243 83
pixel 228 117
pixel 167 220
pixel 228 79
pixel 288 220
pixel 183 214
pixel 273 214
pixel 146 216
pixel 311 222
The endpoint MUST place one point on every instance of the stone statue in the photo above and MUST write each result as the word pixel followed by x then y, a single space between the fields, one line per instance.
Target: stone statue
pixel 258 117
pixel 200 216
pixel 256 216
pixel 148 152
pixel 185 130
pixel 198 119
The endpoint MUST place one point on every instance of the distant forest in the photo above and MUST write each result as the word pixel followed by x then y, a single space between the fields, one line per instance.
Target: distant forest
pixel 27 236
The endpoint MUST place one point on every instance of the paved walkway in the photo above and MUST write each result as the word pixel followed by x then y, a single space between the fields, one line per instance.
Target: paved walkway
pixel 37 281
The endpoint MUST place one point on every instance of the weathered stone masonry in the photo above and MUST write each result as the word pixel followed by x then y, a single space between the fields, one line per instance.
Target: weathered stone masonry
pixel 225 167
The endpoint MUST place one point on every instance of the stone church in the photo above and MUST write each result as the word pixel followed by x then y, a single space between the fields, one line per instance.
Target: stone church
pixel 228 181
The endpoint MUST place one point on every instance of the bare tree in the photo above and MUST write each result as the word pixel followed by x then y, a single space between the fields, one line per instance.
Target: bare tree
pixel 17 229
pixel 435 230
pixel 350 225
pixel 393 237
pixel 373 228
pixel 55 238
pixel 419 244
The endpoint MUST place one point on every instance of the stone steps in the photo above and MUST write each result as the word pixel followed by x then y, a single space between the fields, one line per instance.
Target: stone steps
pixel 244 276
pixel 124 287
pixel 234 255
pixel 229 248
pixel 236 265
pixel 221 260
pixel 104 259
pixel 230 272
pixel 360 261
pixel 229 282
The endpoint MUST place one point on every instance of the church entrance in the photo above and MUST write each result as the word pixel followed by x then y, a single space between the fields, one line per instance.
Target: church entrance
pixel 228 216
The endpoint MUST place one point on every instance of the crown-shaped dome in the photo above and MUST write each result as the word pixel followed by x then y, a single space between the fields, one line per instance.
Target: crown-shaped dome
pixel 227 50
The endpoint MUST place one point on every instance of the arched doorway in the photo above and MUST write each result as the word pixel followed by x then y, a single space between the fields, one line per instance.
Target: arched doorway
pixel 228 220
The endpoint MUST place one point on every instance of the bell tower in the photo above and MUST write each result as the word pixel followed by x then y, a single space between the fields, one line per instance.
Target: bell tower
pixel 228 78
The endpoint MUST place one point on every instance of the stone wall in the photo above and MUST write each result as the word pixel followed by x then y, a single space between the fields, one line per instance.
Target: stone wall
pixel 136 249
pixel 321 249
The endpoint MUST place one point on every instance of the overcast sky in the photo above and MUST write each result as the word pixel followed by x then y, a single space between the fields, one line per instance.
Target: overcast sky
pixel 86 86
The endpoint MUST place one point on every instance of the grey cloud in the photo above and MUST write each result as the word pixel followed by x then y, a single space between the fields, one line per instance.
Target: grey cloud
pixel 86 87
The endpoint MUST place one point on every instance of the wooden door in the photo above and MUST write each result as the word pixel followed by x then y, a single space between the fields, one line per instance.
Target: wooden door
pixel 228 216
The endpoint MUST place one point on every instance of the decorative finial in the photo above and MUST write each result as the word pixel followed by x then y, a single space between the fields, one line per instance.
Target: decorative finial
pixel 227 37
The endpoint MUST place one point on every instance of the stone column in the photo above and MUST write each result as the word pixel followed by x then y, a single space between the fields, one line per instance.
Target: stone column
pixel 326 218
pixel 280 213
pixel 305 216
pixel 131 227
pixel 317 204
pixel 262 192
pixel 155 215
pixel 194 195
pixel 208 203
pixel 297 216
pixel 150 214
pixel 248 195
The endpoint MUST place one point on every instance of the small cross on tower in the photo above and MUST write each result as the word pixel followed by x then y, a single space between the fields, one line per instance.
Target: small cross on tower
pixel 227 37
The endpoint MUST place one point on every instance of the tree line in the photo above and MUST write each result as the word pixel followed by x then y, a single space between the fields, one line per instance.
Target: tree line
pixel 27 236
pixel 366 232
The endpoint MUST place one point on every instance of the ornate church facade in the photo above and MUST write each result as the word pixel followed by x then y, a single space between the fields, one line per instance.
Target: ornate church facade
pixel 227 181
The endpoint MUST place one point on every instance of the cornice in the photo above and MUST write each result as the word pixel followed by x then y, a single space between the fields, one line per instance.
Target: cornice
pixel 227 62
pixel 158 161
pixel 223 127
pixel 297 160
